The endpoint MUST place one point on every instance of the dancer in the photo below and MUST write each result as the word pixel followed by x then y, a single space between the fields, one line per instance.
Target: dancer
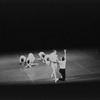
pixel 22 60
pixel 54 60
pixel 30 60
pixel 62 64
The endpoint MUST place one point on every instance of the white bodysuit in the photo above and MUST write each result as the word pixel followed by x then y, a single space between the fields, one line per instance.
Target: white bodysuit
pixel 22 59
pixel 30 59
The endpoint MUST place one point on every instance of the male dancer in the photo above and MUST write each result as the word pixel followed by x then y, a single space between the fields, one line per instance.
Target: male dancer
pixel 62 64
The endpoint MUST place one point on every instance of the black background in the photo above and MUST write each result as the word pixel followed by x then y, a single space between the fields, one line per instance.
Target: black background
pixel 62 91
pixel 44 24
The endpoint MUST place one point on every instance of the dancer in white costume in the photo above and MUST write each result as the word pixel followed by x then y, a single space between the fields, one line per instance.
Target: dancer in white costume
pixel 42 56
pixel 54 60
pixel 22 60
pixel 30 60
pixel 47 59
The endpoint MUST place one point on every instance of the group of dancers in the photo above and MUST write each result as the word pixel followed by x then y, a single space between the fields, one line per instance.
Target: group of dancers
pixel 51 60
